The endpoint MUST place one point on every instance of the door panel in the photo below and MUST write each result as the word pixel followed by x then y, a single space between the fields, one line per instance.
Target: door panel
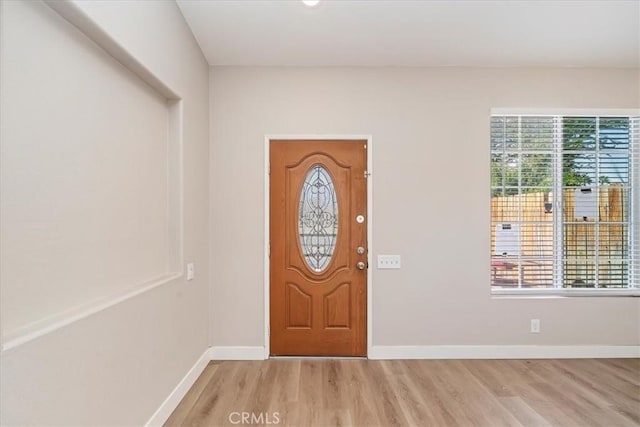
pixel 317 293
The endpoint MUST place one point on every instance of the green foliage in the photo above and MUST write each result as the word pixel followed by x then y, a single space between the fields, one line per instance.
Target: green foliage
pixel 573 178
pixel 579 134
pixel 535 171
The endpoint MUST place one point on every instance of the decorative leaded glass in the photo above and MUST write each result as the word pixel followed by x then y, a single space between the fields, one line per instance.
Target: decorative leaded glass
pixel 318 218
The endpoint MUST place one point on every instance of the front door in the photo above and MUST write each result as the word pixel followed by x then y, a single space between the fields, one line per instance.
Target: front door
pixel 318 256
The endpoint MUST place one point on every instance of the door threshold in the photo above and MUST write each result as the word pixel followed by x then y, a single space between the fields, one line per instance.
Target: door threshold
pixel 321 357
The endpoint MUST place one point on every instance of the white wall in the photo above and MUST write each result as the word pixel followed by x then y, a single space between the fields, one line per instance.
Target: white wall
pixel 84 186
pixel 431 202
pixel 86 189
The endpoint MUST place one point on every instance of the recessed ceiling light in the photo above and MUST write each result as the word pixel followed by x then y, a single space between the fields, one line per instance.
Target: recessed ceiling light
pixel 311 3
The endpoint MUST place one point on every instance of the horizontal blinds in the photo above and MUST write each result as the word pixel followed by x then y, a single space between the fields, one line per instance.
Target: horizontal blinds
pixel 522 198
pixel 596 188
pixel 562 198
pixel 634 208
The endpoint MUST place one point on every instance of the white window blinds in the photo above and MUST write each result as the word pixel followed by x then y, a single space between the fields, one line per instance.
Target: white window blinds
pixel 564 197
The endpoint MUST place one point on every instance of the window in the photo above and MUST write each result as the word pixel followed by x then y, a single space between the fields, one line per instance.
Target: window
pixel 564 203
pixel 318 218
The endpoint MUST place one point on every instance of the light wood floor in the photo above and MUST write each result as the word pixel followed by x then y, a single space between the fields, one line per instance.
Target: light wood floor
pixel 316 392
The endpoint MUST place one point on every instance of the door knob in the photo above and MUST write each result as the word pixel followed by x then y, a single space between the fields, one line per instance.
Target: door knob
pixel 360 265
pixel 360 250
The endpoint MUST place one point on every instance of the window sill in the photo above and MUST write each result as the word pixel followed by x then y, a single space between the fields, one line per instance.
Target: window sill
pixel 552 293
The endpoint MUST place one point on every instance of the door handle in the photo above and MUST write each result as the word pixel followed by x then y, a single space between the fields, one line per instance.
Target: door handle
pixel 361 265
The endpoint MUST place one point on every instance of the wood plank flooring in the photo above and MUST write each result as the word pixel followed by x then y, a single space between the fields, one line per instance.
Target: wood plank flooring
pixel 358 392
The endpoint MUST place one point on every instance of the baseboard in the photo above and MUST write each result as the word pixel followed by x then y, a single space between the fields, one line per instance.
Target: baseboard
pixel 175 397
pixel 237 353
pixel 504 352
pixel 213 353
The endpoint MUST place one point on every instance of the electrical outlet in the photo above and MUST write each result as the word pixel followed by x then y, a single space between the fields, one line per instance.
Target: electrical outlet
pixel 191 271
pixel 535 326
pixel 388 261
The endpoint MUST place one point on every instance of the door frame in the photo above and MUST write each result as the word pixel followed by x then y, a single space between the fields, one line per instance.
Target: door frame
pixel 267 294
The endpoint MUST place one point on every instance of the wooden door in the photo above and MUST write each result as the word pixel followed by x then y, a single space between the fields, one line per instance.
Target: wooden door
pixel 318 255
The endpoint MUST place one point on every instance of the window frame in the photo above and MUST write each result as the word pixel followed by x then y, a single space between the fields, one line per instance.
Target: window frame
pixel 633 288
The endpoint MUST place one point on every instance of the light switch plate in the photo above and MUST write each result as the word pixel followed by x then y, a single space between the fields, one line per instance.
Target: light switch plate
pixel 388 261
pixel 191 271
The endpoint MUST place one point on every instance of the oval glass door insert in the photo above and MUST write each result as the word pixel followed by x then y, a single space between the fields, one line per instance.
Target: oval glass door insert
pixel 318 218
